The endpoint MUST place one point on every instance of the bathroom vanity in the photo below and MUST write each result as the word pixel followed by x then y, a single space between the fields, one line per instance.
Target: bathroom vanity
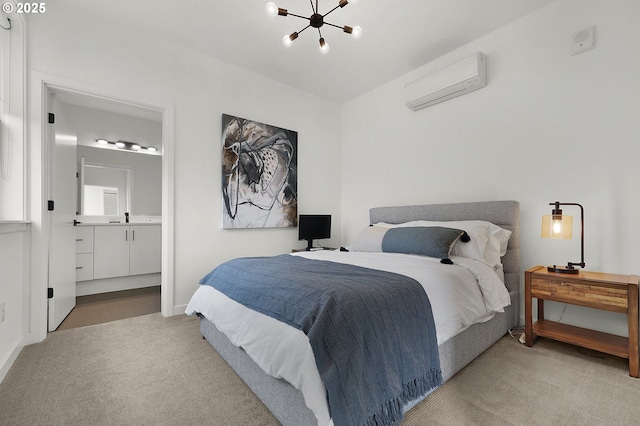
pixel 117 256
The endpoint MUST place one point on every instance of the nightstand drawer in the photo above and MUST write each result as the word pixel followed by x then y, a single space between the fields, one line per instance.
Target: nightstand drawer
pixel 589 295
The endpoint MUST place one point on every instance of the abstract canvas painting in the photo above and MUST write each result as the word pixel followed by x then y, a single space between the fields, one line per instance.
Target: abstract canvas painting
pixel 259 174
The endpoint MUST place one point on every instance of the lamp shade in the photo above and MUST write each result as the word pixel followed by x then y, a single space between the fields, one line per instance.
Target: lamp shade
pixel 557 227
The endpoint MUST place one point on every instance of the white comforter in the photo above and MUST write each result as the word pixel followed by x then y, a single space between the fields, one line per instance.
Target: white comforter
pixel 463 294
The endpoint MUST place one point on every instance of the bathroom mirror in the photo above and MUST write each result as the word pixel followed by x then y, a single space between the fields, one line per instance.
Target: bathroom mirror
pixel 105 190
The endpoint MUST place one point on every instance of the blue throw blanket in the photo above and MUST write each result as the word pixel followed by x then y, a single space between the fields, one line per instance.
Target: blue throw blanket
pixel 372 332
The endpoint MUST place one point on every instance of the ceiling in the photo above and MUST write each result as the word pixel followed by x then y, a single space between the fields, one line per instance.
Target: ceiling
pixel 398 36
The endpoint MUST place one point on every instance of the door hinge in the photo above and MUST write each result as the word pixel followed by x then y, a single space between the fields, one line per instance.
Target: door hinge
pixel 52 118
pixel 49 293
pixel 50 205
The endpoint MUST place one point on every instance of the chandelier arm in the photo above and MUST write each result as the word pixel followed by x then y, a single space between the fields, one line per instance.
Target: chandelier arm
pixel 314 10
pixel 299 16
pixel 304 29
pixel 334 25
pixel 330 11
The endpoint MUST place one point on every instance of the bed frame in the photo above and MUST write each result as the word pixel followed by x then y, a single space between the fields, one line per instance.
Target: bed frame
pixel 287 403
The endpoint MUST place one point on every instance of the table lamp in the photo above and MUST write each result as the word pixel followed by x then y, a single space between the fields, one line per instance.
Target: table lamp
pixel 560 226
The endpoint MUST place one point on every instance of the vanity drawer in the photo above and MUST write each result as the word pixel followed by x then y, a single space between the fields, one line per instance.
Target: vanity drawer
pixel 84 239
pixel 84 266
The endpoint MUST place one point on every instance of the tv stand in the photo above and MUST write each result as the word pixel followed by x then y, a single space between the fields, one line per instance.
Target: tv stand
pixel 309 245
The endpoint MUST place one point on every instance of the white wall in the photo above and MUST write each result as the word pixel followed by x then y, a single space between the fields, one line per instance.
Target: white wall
pixel 92 124
pixel 200 89
pixel 549 126
pixel 14 266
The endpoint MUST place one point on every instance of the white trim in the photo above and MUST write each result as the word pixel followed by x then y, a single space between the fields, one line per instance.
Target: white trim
pixel 9 227
pixel 179 310
pixel 19 58
pixel 41 85
pixel 107 285
pixel 168 156
pixel 6 363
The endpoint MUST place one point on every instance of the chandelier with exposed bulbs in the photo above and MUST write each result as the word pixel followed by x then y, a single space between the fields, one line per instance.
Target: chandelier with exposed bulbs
pixel 316 20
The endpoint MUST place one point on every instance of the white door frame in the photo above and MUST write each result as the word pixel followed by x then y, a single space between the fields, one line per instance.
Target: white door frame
pixel 38 164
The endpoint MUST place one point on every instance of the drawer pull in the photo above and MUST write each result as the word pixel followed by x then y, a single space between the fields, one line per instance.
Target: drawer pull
pixel 78 267
pixel 79 239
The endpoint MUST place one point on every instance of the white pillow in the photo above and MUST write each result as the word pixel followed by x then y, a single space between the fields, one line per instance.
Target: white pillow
pixel 370 239
pixel 497 244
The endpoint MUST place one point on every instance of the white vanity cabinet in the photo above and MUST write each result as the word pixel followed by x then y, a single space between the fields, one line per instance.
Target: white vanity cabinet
pixel 121 250
pixel 110 251
pixel 145 249
pixel 84 253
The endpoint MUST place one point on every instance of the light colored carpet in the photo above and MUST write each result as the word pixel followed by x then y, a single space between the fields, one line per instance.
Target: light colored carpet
pixel 151 370
pixel 147 370
pixel 116 305
pixel 551 383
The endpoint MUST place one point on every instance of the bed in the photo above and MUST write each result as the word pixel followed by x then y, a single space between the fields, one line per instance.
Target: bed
pixel 455 351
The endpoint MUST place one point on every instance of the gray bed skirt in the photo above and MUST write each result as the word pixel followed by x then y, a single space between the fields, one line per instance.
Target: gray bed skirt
pixel 287 403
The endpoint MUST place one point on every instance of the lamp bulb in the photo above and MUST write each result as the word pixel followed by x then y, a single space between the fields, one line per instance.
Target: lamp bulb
pixel 286 40
pixel 356 32
pixel 324 46
pixel 557 227
pixel 271 8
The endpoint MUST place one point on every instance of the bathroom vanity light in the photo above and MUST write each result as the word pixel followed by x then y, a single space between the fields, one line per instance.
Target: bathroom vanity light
pixel 129 146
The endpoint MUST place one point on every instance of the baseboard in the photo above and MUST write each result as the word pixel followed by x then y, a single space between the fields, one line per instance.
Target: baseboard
pixel 107 285
pixel 179 310
pixel 11 358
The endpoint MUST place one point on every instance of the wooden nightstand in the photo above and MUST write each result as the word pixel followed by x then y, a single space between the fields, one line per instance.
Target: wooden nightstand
pixel 610 292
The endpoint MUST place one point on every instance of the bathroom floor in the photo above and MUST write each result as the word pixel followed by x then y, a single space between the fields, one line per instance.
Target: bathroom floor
pixel 106 307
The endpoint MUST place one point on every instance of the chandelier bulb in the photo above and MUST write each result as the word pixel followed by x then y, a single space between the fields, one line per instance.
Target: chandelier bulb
pixel 324 46
pixel 353 1
pixel 287 40
pixel 356 31
pixel 271 8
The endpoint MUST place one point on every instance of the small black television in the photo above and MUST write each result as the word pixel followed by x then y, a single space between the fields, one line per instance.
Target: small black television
pixel 313 227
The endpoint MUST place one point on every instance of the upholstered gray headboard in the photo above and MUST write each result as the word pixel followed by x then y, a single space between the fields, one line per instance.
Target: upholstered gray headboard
pixel 505 214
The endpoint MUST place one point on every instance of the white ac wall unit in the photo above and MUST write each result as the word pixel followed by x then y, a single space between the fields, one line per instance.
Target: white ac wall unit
pixel 449 82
